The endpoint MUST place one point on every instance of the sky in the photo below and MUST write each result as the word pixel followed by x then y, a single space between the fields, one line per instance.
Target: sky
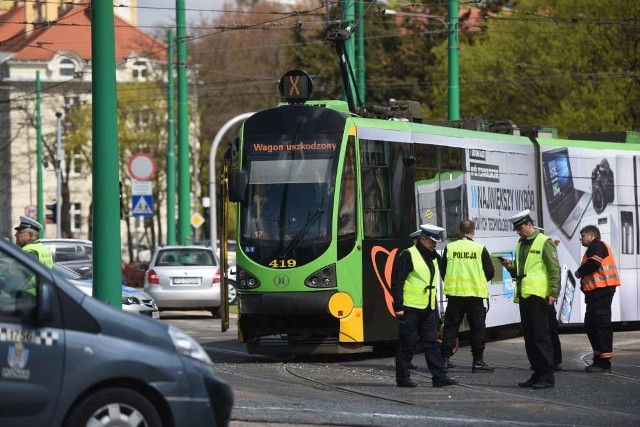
pixel 156 12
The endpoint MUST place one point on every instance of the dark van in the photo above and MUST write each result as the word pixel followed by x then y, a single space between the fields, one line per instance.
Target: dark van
pixel 67 359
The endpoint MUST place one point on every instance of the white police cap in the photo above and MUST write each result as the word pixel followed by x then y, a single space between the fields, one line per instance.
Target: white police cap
pixel 432 231
pixel 521 218
pixel 26 222
pixel 416 234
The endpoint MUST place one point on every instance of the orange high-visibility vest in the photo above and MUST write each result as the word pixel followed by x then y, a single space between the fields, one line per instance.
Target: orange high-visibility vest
pixel 606 276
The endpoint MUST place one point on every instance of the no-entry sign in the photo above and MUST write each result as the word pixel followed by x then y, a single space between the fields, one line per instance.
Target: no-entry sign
pixel 141 167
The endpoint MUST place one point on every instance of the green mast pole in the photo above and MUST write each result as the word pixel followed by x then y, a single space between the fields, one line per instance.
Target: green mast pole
pixel 106 189
pixel 40 187
pixel 454 52
pixel 360 72
pixel 349 44
pixel 171 151
pixel 184 178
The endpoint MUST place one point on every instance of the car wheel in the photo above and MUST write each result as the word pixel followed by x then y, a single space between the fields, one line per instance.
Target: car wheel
pixel 114 406
pixel 232 292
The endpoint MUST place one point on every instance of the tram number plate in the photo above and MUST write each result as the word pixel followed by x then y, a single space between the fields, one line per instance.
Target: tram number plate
pixel 185 280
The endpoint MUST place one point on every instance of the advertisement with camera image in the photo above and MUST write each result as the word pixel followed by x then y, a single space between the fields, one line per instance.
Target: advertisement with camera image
pixel 592 186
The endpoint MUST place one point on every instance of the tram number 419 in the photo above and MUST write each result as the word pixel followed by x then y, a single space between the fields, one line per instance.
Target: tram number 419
pixel 283 263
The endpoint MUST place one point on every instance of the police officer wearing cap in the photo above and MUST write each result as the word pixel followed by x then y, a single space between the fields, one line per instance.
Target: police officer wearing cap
pixel 27 234
pixel 413 285
pixel 466 269
pixel 537 272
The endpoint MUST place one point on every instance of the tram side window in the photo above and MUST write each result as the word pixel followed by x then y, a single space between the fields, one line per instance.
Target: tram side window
pixel 427 185
pixel 440 188
pixel 452 182
pixel 375 189
pixel 347 208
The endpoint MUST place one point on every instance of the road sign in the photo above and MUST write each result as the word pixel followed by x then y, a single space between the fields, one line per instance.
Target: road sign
pixel 142 205
pixel 141 167
pixel 141 188
pixel 197 220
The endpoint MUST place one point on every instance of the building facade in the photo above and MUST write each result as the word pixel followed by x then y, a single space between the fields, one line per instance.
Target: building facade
pixel 53 39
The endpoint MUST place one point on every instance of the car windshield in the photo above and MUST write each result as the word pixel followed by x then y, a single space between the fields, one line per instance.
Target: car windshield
pixel 185 257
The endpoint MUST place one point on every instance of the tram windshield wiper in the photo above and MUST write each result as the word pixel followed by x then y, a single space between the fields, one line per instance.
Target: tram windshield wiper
pixel 298 237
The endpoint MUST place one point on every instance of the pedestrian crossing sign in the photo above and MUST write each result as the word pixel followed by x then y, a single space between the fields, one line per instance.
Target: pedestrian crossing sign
pixel 142 205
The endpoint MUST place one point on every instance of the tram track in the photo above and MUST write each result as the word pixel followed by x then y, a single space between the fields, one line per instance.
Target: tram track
pixel 318 390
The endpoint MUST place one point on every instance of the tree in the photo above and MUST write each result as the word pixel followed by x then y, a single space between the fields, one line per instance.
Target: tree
pixel 570 64
pixel 238 57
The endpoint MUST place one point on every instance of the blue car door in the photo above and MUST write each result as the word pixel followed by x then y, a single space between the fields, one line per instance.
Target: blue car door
pixel 32 350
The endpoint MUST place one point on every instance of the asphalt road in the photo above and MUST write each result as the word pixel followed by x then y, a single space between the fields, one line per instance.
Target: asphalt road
pixel 360 390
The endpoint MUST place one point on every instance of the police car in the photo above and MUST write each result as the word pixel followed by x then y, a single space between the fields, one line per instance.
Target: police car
pixel 67 359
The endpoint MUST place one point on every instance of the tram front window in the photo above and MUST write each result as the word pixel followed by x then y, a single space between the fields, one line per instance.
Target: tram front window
pixel 289 203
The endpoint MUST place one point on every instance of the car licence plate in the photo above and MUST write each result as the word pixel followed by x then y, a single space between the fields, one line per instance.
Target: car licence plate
pixel 185 280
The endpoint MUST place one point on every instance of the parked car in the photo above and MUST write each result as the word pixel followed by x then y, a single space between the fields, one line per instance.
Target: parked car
pixel 76 254
pixel 133 300
pixel 184 278
pixel 71 360
pixel 231 282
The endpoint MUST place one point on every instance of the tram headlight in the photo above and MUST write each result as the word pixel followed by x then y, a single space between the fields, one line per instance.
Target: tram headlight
pixel 322 278
pixel 246 280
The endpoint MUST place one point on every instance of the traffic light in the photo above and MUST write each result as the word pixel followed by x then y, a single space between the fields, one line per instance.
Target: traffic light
pixel 52 218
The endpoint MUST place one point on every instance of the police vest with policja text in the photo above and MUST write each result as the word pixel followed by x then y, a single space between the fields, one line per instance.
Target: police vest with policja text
pixel 465 276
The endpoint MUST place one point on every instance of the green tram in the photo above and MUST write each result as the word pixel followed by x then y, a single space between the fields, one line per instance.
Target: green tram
pixel 326 200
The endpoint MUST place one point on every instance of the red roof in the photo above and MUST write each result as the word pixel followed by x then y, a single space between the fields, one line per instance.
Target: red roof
pixel 12 24
pixel 72 33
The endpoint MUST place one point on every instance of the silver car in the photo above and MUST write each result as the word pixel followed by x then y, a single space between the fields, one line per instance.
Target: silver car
pixel 76 254
pixel 184 278
pixel 133 300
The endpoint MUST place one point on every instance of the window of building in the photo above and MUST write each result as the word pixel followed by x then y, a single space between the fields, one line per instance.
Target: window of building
pixel 67 67
pixel 140 70
pixel 75 213
pixel 71 101
pixel 77 162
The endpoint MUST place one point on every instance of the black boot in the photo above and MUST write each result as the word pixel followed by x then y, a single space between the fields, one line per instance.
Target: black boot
pixel 447 363
pixel 479 366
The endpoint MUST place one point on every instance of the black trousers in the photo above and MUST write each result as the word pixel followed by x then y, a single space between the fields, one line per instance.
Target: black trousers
pixel 597 322
pixel 555 338
pixel 534 314
pixel 457 308
pixel 425 324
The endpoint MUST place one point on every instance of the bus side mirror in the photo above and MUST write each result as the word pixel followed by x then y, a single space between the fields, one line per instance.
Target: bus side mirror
pixel 237 185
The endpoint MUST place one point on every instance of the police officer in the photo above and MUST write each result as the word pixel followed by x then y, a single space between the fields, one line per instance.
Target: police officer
pixel 27 234
pixel 537 272
pixel 413 285
pixel 466 269
pixel 599 279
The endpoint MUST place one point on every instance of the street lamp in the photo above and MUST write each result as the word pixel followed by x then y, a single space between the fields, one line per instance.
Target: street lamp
pixel 58 167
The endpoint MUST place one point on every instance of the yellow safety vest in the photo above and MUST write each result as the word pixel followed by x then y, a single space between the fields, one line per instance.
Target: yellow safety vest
pixel 536 276
pixel 419 286
pixel 44 254
pixel 465 276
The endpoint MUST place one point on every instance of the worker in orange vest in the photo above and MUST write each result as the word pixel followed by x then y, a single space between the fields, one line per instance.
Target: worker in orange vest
pixel 599 279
